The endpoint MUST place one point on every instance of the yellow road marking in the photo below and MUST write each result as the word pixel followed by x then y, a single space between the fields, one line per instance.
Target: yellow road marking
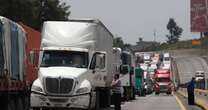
pixel 180 103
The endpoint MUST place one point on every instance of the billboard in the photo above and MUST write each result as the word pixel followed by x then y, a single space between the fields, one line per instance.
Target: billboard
pixel 196 42
pixel 199 16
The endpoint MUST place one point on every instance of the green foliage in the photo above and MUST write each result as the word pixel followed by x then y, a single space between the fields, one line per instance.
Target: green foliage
pixel 31 13
pixel 118 42
pixel 204 42
pixel 179 45
pixel 174 31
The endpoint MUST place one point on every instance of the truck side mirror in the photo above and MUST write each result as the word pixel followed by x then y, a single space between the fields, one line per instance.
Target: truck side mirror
pixel 33 58
pixel 131 70
pixel 124 69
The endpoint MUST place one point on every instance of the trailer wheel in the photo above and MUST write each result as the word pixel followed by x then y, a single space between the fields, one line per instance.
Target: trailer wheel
pixel 11 105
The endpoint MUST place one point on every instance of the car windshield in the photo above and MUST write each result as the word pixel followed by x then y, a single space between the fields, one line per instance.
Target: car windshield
pixel 162 79
pixel 65 58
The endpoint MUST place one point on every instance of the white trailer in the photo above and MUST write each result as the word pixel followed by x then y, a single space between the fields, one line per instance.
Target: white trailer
pixel 75 65
pixel 127 75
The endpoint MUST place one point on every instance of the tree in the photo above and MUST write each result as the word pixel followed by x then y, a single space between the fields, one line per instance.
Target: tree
pixel 174 31
pixel 140 39
pixel 31 13
pixel 118 42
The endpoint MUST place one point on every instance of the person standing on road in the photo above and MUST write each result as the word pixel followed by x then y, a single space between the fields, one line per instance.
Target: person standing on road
pixel 116 84
pixel 190 90
pixel 139 80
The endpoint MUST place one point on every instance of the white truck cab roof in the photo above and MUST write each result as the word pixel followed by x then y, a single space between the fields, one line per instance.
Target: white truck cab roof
pixel 66 49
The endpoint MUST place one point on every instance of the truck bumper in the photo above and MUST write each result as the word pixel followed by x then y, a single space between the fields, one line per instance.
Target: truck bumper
pixel 43 101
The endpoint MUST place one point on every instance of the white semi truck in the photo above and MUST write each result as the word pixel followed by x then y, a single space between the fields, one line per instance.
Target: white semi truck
pixel 75 65
pixel 123 63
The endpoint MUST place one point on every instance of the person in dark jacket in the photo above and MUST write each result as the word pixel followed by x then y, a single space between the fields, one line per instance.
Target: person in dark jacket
pixel 116 89
pixel 190 90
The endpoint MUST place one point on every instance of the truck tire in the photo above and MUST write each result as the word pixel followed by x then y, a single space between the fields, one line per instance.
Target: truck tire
pixel 97 102
pixel 19 104
pixel 157 93
pixel 168 93
pixel 27 102
pixel 11 105
pixel 35 108
pixel 134 94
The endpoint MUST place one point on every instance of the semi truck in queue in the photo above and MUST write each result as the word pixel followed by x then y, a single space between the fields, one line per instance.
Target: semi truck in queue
pixel 75 65
pixel 13 87
pixel 162 81
pixel 124 61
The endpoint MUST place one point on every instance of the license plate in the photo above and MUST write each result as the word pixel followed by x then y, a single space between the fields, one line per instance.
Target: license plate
pixel 58 105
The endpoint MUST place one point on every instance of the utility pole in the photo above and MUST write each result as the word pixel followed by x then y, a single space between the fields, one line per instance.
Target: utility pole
pixel 42 12
pixel 154 35
pixel 201 45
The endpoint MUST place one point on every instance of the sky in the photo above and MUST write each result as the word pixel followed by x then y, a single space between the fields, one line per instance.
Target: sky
pixel 131 19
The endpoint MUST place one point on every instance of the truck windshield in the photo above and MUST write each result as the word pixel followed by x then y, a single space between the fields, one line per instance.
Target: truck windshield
pixel 163 80
pixel 65 58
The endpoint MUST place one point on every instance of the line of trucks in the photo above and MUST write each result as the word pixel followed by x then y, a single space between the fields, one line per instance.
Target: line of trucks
pixel 154 73
pixel 70 66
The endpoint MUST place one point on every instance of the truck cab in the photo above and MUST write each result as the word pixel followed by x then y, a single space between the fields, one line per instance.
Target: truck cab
pixel 162 82
pixel 75 67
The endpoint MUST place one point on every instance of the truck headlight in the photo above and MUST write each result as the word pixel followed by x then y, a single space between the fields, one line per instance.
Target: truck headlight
pixel 36 89
pixel 82 90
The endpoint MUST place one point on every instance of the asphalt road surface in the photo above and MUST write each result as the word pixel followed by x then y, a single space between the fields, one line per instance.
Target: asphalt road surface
pixel 153 102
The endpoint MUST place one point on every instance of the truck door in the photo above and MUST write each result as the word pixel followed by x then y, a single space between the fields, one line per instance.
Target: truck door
pixel 98 67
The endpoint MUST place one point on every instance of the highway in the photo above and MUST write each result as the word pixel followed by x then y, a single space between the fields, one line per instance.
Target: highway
pixel 152 102
pixel 159 102
pixel 188 65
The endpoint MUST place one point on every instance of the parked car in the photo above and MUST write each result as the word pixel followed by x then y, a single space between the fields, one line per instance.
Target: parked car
pixel 200 79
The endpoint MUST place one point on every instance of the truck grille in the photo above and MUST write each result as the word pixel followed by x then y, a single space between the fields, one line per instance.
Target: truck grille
pixel 59 85
pixel 163 87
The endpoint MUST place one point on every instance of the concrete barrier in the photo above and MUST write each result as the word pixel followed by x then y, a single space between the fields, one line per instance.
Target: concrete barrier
pixel 198 101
